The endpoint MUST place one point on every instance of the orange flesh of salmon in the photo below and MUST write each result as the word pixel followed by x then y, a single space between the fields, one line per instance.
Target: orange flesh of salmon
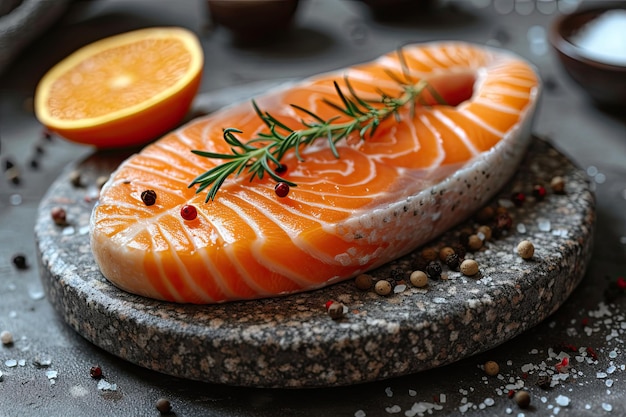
pixel 248 243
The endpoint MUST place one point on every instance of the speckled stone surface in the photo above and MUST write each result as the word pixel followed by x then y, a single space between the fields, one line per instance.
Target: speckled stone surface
pixel 291 341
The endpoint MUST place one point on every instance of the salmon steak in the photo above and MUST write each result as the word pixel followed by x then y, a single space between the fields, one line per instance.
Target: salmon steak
pixel 355 205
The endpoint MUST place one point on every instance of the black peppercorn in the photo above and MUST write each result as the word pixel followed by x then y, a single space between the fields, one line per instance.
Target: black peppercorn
pixel 148 197
pixel 19 261
pixel 396 275
pixel 453 262
pixel 163 406
pixel 434 270
pixel 543 382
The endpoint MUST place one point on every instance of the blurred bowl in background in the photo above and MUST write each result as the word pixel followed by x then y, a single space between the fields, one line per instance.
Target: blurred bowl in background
pixel 253 20
pixel 591 46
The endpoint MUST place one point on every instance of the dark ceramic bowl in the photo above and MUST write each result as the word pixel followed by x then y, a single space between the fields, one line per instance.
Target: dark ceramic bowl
pixel 253 20
pixel 605 82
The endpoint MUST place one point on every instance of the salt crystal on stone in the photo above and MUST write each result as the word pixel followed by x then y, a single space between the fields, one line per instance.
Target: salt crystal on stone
pixel 544 224
pixel 600 375
pixel 489 402
pixel 359 413
pixel 393 409
pixel 612 354
pixel 521 228
pixel 607 407
pixel 106 386
pixel 389 392
pixel 611 369
pixel 412 392
pixel 609 383
pixel 399 288
pixel 10 363
pixel 562 400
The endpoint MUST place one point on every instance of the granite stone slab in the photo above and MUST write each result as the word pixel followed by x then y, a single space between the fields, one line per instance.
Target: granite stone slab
pixel 292 341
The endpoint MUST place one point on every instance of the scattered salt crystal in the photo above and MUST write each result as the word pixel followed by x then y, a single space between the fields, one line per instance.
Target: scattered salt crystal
pixel 68 231
pixel 389 392
pixel 439 300
pixel 52 374
pixel 393 409
pixel 612 354
pixel 521 228
pixel 106 386
pixel 399 288
pixel 587 406
pixel 607 407
pixel 592 170
pixel 562 400
pixel 600 178
pixel 544 224
pixel 611 369
pixel 533 351
pixel 15 199
pixel 601 375
pixel 21 362
pixel 509 411
pixel 609 383
pixel 544 399
pixel 412 392
pixel 489 402
pixel 359 413
pixel 442 398
pixel 10 363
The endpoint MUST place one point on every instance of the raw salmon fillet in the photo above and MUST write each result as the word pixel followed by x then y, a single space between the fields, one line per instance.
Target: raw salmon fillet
pixel 415 178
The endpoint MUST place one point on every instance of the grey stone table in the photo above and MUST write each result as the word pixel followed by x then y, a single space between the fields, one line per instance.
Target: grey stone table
pixel 47 368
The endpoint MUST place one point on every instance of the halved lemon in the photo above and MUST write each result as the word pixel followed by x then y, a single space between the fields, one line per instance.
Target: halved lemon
pixel 124 90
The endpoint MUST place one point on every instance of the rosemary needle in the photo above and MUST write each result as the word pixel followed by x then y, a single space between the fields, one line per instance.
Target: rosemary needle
pixel 259 155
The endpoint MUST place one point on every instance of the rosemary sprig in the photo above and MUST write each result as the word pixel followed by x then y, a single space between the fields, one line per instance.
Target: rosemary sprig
pixel 262 154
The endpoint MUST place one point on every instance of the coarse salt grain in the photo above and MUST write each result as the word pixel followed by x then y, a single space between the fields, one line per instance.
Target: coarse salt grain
pixel 607 407
pixel 359 413
pixel 562 400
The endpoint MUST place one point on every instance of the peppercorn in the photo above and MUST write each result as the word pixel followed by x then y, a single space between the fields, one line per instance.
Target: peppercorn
pixel 464 238
pixel 453 261
pixel 474 242
pixel 522 398
pixel 148 197
pixel 539 192
pixel 8 164
pixel 469 267
pixel 163 406
pixel 429 254
pixel 434 270
pixel 281 189
pixel 76 180
pixel 59 216
pixel 460 250
pixel 396 275
pixel 95 372
pixel 383 287
pixel 558 185
pixel 363 282
pixel 19 261
pixel 492 368
pixel 33 163
pixel 485 214
pixel 485 231
pixel 335 311
pixel 188 212
pixel 419 279
pixel 525 249
pixel 280 169
pixel 518 198
pixel 6 338
pixel 444 252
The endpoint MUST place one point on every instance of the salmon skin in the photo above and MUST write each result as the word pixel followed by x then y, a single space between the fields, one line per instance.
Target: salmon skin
pixel 417 176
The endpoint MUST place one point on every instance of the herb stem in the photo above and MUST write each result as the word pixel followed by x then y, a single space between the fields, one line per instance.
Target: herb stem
pixel 263 154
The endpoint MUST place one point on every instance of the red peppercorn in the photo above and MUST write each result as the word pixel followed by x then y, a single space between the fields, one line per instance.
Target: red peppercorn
pixel 95 372
pixel 281 189
pixel 621 283
pixel 539 192
pixel 188 212
pixel 328 304
pixel 148 197
pixel 281 169
pixel 518 199
pixel 591 352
